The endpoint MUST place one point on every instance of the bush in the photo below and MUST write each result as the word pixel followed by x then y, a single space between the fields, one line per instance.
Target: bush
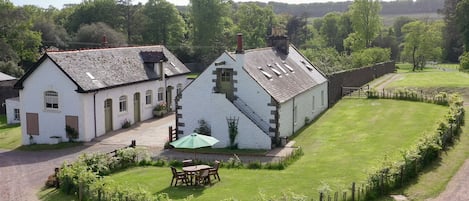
pixel 370 56
pixel 464 61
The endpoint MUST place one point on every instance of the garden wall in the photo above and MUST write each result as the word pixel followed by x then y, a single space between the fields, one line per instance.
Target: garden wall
pixel 356 78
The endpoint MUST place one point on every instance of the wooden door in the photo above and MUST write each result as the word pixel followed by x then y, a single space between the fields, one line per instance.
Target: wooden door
pixel 108 115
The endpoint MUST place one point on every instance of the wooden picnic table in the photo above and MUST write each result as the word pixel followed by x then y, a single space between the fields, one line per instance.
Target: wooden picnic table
pixel 191 171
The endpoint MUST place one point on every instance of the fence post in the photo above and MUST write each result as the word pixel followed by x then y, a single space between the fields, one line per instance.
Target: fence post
pixel 321 196
pixel 353 191
pixel 170 134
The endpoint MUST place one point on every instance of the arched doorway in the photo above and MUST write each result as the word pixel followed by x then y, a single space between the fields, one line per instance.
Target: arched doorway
pixel 108 115
pixel 137 107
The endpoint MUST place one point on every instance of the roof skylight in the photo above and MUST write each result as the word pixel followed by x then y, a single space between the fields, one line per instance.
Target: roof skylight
pixel 280 67
pixel 289 67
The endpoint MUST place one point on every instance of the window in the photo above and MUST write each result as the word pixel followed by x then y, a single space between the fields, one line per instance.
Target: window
pixel 16 112
pixel 322 98
pixel 225 75
pixel 148 97
pixel 178 88
pixel 51 100
pixel 160 94
pixel 123 104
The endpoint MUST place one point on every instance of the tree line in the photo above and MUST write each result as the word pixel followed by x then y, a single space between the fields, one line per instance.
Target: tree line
pixel 336 41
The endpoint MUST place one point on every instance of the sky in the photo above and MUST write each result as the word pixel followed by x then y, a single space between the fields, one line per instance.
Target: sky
pixel 59 3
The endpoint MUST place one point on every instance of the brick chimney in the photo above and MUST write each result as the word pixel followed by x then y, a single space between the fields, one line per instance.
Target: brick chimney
pixel 279 41
pixel 239 48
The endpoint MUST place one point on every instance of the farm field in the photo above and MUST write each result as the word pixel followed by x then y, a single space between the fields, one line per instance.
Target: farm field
pixel 341 147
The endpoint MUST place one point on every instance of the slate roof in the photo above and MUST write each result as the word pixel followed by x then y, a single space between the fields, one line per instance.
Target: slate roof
pixel 282 76
pixel 5 77
pixel 98 69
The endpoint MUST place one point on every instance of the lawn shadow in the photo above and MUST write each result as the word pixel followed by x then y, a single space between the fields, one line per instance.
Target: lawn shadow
pixel 183 191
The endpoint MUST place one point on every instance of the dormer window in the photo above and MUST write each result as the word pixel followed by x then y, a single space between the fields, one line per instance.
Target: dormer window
pixel 153 61
pixel 51 100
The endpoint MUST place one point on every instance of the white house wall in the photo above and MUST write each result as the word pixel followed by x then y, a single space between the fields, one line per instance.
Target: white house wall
pixel 47 77
pixel 254 96
pixel 118 118
pixel 305 109
pixel 199 102
pixel 11 105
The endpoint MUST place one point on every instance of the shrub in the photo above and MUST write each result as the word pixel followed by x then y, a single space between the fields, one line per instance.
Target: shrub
pixel 71 133
pixel 464 61
pixel 370 56
pixel 126 123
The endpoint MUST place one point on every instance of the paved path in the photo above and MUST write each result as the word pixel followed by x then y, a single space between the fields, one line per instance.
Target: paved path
pixel 23 173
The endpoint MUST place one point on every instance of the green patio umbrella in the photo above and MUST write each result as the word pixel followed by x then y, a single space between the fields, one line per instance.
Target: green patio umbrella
pixel 194 141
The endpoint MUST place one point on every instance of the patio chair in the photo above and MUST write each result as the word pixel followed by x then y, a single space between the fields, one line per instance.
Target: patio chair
pixel 203 177
pixel 214 170
pixel 178 176
pixel 187 162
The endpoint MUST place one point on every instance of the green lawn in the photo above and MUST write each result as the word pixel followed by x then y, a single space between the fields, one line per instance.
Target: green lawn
pixel 341 147
pixel 432 78
pixel 10 135
pixel 434 179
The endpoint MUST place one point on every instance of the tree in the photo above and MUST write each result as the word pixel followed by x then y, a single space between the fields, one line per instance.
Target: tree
pixel 92 11
pixel 91 35
pixel 366 21
pixel 297 30
pixel 398 24
pixel 451 35
pixel 462 19
pixel 209 24
pixel 254 22
pixel 164 24
pixel 330 30
pixel 16 35
pixel 422 42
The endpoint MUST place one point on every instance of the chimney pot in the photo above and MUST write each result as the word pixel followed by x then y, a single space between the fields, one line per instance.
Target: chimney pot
pixel 239 49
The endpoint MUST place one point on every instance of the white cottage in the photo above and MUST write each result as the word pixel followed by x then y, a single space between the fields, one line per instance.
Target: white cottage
pixel 267 93
pixel 96 91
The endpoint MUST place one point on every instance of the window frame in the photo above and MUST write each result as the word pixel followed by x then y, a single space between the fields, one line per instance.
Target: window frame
pixel 149 97
pixel 51 100
pixel 16 114
pixel 123 103
pixel 160 94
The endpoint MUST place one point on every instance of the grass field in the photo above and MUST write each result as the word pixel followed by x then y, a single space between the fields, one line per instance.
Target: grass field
pixel 10 135
pixel 341 147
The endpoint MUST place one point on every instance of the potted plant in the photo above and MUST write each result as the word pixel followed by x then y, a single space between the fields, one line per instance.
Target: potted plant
pixel 160 109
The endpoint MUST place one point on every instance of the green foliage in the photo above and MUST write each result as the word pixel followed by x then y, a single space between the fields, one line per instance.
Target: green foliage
pixel 91 35
pixel 72 133
pixel 370 56
pixel 462 16
pixel 254 22
pixel 126 124
pixel 164 24
pixel 464 61
pixel 204 128
pixel 422 43
pixel 366 21
pixel 11 68
pixel 328 60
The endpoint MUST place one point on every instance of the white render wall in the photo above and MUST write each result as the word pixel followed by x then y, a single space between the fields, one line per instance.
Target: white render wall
pixel 254 95
pixel 52 123
pixel 12 104
pixel 199 102
pixel 304 104
pixel 48 77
